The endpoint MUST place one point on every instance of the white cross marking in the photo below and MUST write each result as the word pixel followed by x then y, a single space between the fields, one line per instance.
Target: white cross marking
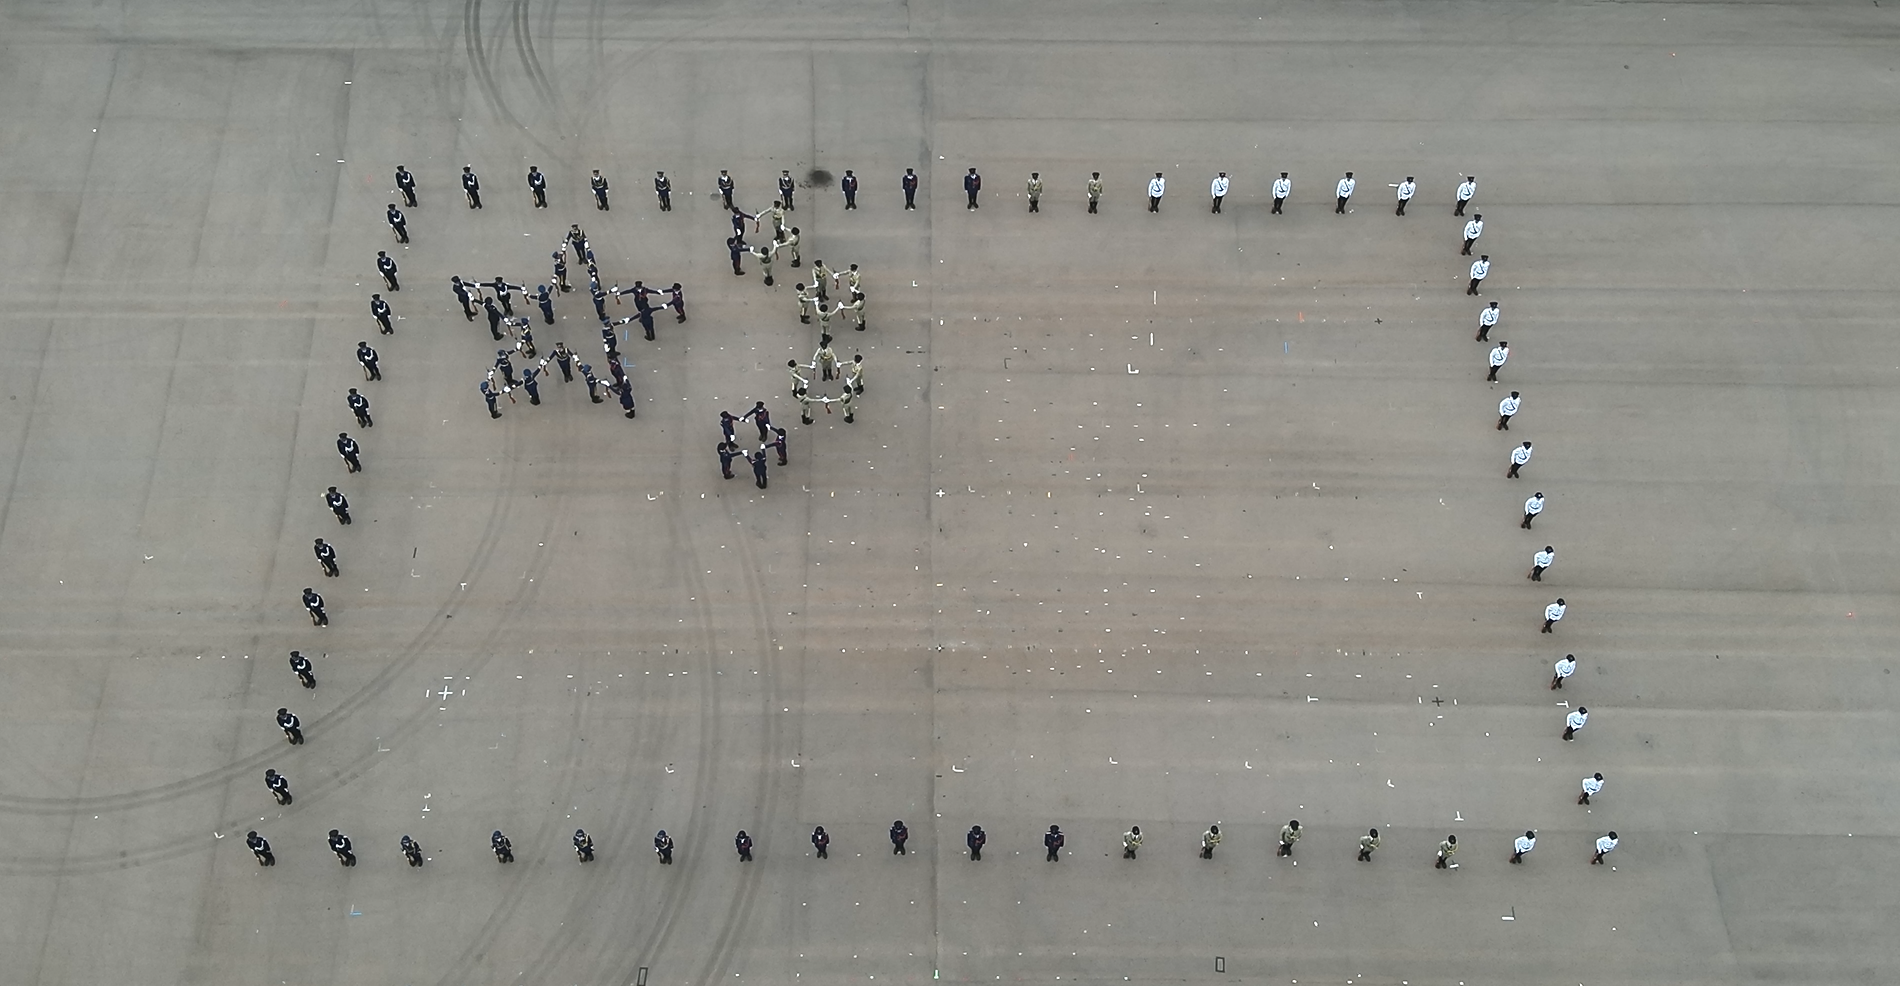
pixel 446 692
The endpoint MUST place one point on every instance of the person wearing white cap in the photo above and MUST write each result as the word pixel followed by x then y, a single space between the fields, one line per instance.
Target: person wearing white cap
pixel 1344 191
pixel 1605 845
pixel 1553 613
pixel 1541 561
pixel 1574 721
pixel 1525 843
pixel 1406 188
pixel 1219 190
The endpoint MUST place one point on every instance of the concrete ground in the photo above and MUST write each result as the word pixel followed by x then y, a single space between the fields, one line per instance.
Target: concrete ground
pixel 1295 579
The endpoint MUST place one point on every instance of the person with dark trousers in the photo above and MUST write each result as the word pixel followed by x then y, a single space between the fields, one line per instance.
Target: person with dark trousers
pixel 504 293
pixel 736 247
pixel 676 298
pixel 406 183
pixel 472 187
pixel 463 295
pixel 411 851
pixel 785 188
pixel 663 188
pixel 366 355
pixel 387 267
pixel 531 383
pixel 974 839
pixel 910 189
pixel 762 418
pixel 503 849
pixel 291 725
pixel 899 835
pixel 538 186
pixel 593 382
pixel 494 317
pixel 379 310
pixel 489 395
pixel 758 469
pixel 545 298
pixel 564 358
pixel 560 271
pixel 972 184
pixel 359 405
pixel 339 505
pixel 583 846
pixel 600 192
pixel 348 449
pixel 726 454
pixel 279 786
pixel 340 844
pixel 300 666
pixel 663 843
pixel 820 842
pixel 260 847
pixel 397 224
pixel 742 843
pixel 725 188
pixel 623 389
pixel 326 556
pixel 778 444
pixel 313 603
pixel 849 185
pixel 1052 842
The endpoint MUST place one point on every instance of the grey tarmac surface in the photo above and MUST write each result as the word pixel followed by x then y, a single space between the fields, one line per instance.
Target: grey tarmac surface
pixel 1238 551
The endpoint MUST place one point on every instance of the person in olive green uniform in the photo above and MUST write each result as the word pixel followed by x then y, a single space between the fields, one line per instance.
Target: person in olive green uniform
pixel 1035 191
pixel 1367 843
pixel 1095 197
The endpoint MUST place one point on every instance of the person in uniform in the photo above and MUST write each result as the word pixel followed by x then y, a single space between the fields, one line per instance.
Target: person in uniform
pixel 397 224
pixel 1282 187
pixel 1406 188
pixel 820 842
pixel 1131 842
pixel 1035 191
pixel 472 187
pixel 600 192
pixel 1095 190
pixel 1209 840
pixel 974 839
pixel 849 185
pixel 279 786
pixel 406 183
pixel 910 189
pixel 260 847
pixel 340 844
pixel 663 189
pixel 785 188
pixel 538 185
pixel 663 843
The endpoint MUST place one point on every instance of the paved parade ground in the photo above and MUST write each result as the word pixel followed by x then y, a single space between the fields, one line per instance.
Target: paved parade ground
pixel 1163 519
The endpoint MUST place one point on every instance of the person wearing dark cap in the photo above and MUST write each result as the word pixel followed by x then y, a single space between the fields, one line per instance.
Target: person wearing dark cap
pixel 1532 507
pixel 1507 408
pixel 340 844
pixel 1289 834
pixel 1368 843
pixel 379 310
pixel 339 505
pixel 820 842
pixel 663 189
pixel 1157 186
pixel 1575 721
pixel 1525 843
pixel 291 725
pixel 279 786
pixel 386 266
pixel 348 449
pixel 503 849
pixel 472 187
pixel 1605 845
pixel 758 468
pixel 462 294
pixel 1487 318
pixel 1465 191
pixel 786 186
pixel 1553 613
pixel 411 851
pixel 260 847
pixel 1052 842
pixel 663 843
pixel 1541 561
pixel 300 666
pixel 538 184
pixel 326 556
pixel 600 192
pixel 397 224
pixel 742 843
pixel 1131 842
pixel 1480 269
pixel 1344 192
pixel 727 452
pixel 583 846
pixel 972 184
pixel 910 189
pixel 899 835
pixel 1446 850
pixel 1564 668
pixel 725 196
pixel 313 604
pixel 1406 188
pixel 406 183
pixel 1520 457
pixel 1592 784
pixel 849 186
pixel 1473 229
pixel 974 840
pixel 1282 187
pixel 1210 839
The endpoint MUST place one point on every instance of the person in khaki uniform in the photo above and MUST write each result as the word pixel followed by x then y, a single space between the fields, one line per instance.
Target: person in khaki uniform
pixel 1368 843
pixel 789 241
pixel 1035 191
pixel 849 400
pixel 854 309
pixel 1446 850
pixel 1095 193
pixel 800 382
pixel 824 359
pixel 806 299
pixel 854 374
pixel 821 279
pixel 1289 834
pixel 1210 839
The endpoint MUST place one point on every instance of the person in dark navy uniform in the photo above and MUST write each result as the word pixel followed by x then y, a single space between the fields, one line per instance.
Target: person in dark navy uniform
pixel 340 844
pixel 972 184
pixel 313 603
pixel 975 839
pixel 503 849
pixel 560 271
pixel 326 556
pixel 531 383
pixel 820 840
pixel 900 834
pixel 538 184
pixel 663 843
pixel 545 299
pixel 676 299
pixel 727 452
pixel 600 192
pixel 473 186
pixel 347 448
pixel 463 295
pixel 489 395
pixel 504 293
pixel 406 183
pixel 300 666
pixel 725 195
pixel 1053 842
pixel 379 309
pixel 506 368
pixel 411 851
pixel 291 725
pixel 910 188
pixel 338 504
pixel 279 786
pixel 494 317
pixel 849 185
pixel 743 843
pixel 367 356
pixel 260 847
pixel 583 846
pixel 663 188
pixel 397 224
pixel 785 187
pixel 360 405
pixel 564 357
pixel 387 267
pixel 593 382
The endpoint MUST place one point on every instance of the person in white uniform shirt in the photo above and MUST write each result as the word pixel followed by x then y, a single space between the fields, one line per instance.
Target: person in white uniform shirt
pixel 1605 844
pixel 1465 192
pixel 1406 188
pixel 1592 784
pixel 1525 843
pixel 1553 613
pixel 1479 269
pixel 1520 457
pixel 1486 319
pixel 1507 408
pixel 1282 188
pixel 1219 190
pixel 1541 561
pixel 1155 188
pixel 1499 353
pixel 1574 721
pixel 1533 507
pixel 1563 669
pixel 1344 191
pixel 1473 230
